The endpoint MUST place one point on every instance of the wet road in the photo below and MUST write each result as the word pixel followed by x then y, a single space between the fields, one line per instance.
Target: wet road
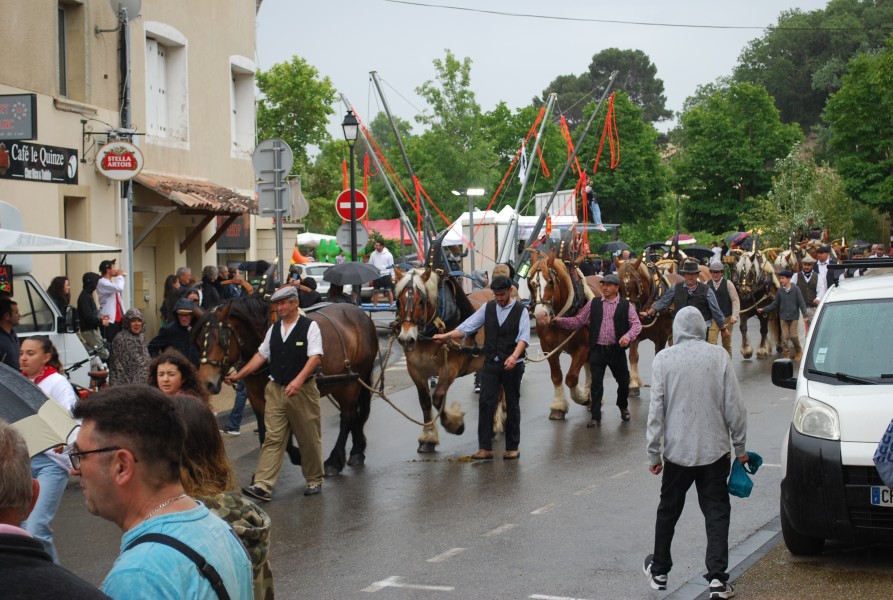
pixel 571 519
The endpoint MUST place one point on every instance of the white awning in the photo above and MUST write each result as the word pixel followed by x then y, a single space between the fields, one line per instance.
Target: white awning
pixel 19 242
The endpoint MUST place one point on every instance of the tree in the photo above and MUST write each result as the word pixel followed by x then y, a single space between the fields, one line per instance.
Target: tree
pixel 294 105
pixel 637 76
pixel 728 145
pixel 861 138
pixel 801 60
pixel 572 91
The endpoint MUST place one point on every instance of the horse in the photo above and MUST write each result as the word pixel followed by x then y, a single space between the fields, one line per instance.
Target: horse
pixel 430 302
pixel 230 334
pixel 557 290
pixel 754 278
pixel 642 283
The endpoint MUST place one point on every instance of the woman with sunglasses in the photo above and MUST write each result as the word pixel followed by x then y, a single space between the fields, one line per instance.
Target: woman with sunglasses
pixel 39 361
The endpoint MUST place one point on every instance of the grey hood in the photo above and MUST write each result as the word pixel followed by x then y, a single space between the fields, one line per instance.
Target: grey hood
pixel 688 324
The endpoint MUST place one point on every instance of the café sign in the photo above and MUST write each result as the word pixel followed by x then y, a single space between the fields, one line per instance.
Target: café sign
pixel 119 160
pixel 36 162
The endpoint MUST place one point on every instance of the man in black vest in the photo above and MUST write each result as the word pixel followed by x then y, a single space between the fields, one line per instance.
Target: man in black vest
pixel 691 292
pixel 613 325
pixel 729 304
pixel 293 347
pixel 812 285
pixel 824 258
pixel 506 336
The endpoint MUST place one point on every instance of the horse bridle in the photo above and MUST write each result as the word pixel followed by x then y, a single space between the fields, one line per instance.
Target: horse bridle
pixel 424 322
pixel 551 281
pixel 224 331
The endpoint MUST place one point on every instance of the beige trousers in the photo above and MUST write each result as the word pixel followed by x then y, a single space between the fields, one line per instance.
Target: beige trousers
pixel 300 415
pixel 789 333
pixel 713 334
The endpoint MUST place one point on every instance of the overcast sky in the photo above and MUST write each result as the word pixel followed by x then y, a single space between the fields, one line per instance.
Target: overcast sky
pixel 513 58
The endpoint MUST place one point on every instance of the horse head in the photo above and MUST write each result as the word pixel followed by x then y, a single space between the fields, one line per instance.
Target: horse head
pixel 416 294
pixel 228 336
pixel 551 287
pixel 635 281
pixel 790 260
pixel 755 275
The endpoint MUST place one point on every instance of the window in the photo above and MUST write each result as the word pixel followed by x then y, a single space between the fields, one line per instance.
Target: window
pixel 63 75
pixel 36 315
pixel 71 54
pixel 242 103
pixel 167 90
pixel 838 344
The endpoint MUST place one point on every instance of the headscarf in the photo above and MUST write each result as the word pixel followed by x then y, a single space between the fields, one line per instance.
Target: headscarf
pixel 129 361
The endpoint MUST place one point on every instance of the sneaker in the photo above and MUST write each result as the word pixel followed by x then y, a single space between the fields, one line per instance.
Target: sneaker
pixel 230 432
pixel 601 228
pixel 658 582
pixel 721 589
pixel 477 389
pixel 312 489
pixel 258 493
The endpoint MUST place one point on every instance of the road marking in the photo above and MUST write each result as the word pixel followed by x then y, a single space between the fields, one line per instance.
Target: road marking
pixel 500 529
pixel 586 490
pixel 544 509
pixel 395 581
pixel 542 597
pixel 448 554
pixel 619 475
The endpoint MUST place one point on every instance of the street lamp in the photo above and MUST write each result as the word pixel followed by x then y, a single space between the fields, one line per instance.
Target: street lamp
pixel 471 193
pixel 350 125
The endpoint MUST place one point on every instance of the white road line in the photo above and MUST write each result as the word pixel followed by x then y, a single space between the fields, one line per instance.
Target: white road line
pixel 542 597
pixel 586 490
pixel 544 509
pixel 448 554
pixel 395 581
pixel 619 475
pixel 500 529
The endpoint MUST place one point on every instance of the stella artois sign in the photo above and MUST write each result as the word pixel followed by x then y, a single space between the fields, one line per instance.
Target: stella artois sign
pixel 119 160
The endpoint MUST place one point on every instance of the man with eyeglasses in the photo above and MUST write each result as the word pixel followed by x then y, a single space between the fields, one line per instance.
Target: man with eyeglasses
pixel 27 571
pixel 128 457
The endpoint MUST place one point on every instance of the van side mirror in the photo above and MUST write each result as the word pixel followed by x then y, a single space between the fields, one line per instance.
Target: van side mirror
pixel 783 373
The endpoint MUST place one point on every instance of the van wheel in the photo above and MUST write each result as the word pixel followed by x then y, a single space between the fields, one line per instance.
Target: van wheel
pixel 797 543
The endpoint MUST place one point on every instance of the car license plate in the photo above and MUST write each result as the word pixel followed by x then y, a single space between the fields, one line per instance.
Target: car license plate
pixel 881 496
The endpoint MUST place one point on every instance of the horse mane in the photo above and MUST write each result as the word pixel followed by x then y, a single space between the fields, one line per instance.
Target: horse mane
pixel 252 310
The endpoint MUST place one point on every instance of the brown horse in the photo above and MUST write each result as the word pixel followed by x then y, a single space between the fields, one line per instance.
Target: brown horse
pixel 754 278
pixel 429 303
pixel 642 284
pixel 230 335
pixel 558 290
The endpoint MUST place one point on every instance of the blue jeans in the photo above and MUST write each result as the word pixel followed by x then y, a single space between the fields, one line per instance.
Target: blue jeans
pixel 235 415
pixel 52 479
pixel 595 213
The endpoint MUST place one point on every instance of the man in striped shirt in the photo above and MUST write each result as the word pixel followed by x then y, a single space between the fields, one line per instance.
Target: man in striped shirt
pixel 613 325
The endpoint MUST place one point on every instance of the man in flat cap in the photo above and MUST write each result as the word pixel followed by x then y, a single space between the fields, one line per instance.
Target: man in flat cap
pixel 823 259
pixel 729 304
pixel 507 335
pixel 812 285
pixel 293 347
pixel 613 325
pixel 790 305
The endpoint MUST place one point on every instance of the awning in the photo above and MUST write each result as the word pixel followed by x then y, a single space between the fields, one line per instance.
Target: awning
pixel 191 196
pixel 389 229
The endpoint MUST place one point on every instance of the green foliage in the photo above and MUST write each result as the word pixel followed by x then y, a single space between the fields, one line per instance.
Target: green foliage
pixel 294 105
pixel 728 141
pixel 861 136
pixel 801 60
pixel 321 183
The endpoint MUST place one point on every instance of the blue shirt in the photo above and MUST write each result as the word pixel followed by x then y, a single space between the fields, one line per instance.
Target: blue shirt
pixel 476 321
pixel 157 571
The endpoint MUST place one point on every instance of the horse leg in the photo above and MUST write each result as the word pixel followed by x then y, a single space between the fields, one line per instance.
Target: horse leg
pixel 634 382
pixel 579 393
pixel 765 346
pixel 358 437
pixel 452 417
pixel 500 414
pixel 559 407
pixel 746 348
pixel 256 386
pixel 334 464
pixel 429 437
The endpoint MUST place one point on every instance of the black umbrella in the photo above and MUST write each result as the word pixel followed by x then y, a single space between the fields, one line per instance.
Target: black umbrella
pixel 699 252
pixel 611 247
pixel 351 273
pixel 41 421
pixel 736 237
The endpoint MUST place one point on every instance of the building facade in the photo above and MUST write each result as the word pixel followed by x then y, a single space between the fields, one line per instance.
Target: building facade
pixel 191 75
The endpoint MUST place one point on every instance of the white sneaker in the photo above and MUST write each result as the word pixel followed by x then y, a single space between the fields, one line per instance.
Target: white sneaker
pixel 721 589
pixel 600 227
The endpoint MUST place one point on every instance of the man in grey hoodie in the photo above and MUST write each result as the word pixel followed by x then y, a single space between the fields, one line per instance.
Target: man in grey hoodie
pixel 690 421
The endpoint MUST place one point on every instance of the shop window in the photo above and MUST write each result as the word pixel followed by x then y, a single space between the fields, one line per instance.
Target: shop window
pixel 167 84
pixel 242 105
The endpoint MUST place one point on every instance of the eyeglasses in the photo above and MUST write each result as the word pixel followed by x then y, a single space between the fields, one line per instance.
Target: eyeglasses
pixel 75 454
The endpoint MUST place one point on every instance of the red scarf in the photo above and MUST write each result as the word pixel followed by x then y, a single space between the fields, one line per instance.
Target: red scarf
pixel 46 372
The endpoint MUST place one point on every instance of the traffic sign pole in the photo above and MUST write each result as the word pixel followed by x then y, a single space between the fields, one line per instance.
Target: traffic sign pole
pixel 353 212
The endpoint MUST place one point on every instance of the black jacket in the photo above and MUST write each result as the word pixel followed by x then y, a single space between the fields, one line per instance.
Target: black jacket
pixel 177 337
pixel 88 312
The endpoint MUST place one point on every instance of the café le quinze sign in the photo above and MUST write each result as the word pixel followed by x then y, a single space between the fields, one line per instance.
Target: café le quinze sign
pixel 36 162
pixel 119 160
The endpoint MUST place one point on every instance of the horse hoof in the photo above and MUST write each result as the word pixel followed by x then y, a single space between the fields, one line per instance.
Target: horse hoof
pixel 332 471
pixel 557 415
pixel 426 448
pixel 634 392
pixel 461 429
pixel 356 460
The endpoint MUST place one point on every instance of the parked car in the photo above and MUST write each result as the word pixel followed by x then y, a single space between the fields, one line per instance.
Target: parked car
pixel 830 488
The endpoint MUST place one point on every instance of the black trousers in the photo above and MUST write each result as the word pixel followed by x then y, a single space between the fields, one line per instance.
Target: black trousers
pixel 600 359
pixel 493 375
pixel 713 497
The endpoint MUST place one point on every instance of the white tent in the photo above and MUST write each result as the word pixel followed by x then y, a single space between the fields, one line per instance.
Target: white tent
pixel 313 239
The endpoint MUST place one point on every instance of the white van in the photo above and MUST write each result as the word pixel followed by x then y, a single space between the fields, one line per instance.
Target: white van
pixel 830 488
pixel 39 314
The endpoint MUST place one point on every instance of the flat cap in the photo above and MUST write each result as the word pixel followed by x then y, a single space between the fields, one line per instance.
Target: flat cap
pixel 808 259
pixel 716 266
pixel 285 293
pixel 824 249
pixel 611 279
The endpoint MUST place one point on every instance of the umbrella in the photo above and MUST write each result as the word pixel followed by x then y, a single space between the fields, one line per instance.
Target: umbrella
pixel 351 273
pixel 41 421
pixel 736 237
pixel 684 240
pixel 699 252
pixel 611 247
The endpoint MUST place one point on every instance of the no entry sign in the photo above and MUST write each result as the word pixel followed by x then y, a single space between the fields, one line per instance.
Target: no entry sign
pixel 342 204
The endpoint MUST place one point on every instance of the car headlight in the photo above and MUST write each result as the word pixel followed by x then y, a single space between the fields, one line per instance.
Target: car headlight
pixel 816 419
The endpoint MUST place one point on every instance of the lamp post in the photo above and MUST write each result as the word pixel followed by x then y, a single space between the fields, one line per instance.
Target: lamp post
pixel 471 193
pixel 350 125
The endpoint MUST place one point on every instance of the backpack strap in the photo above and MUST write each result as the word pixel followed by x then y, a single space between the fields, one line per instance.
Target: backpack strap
pixel 204 567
